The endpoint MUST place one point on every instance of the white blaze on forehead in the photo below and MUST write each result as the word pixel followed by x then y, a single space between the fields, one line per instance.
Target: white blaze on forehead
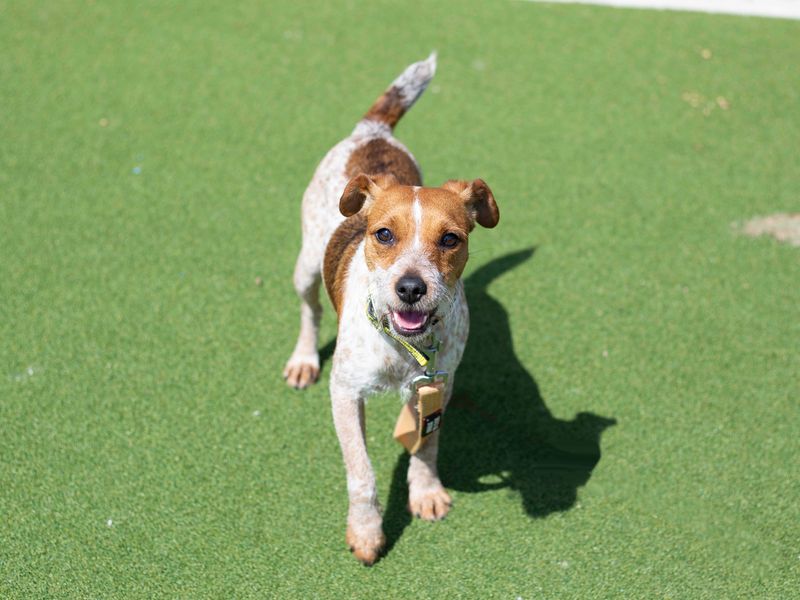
pixel 417 211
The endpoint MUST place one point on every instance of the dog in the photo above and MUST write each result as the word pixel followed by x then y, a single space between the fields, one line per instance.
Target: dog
pixel 391 254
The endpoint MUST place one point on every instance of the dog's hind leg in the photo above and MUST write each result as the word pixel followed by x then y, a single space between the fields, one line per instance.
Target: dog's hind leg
pixel 302 369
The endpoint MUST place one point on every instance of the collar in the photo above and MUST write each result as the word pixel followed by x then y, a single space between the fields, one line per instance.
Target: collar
pixel 425 358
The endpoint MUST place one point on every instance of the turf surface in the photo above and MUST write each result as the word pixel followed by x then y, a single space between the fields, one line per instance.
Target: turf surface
pixel 626 418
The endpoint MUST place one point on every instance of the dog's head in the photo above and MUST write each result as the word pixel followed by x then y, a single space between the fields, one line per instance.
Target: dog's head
pixel 416 244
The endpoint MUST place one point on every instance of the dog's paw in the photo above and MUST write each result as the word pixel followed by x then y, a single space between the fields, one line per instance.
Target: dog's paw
pixel 301 372
pixel 366 546
pixel 431 504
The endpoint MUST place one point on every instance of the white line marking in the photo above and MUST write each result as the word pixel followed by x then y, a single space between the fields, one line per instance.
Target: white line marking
pixel 778 9
pixel 417 210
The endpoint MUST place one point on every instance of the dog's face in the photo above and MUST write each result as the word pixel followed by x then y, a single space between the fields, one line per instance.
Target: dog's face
pixel 416 244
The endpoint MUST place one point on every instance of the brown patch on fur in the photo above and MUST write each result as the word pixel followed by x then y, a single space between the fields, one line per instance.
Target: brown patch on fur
pixel 388 108
pixel 452 208
pixel 361 187
pixel 339 255
pixel 443 211
pixel 392 210
pixel 379 156
pixel 478 198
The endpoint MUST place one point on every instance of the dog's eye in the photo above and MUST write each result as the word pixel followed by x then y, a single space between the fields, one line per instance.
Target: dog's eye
pixel 449 240
pixel 384 236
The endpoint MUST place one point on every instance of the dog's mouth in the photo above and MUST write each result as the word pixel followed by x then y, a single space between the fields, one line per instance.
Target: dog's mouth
pixel 408 322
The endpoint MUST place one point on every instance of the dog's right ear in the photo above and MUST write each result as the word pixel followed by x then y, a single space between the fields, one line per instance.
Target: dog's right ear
pixel 361 190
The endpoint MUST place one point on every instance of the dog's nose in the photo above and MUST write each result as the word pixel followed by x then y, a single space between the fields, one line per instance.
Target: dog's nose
pixel 410 288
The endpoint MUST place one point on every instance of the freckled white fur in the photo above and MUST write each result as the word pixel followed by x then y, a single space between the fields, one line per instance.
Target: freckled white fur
pixel 374 362
pixel 321 217
pixel 413 81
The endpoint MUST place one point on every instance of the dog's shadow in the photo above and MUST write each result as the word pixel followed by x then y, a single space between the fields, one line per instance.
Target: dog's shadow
pixel 498 432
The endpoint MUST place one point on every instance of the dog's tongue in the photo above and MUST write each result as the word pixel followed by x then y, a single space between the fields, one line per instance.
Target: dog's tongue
pixel 410 320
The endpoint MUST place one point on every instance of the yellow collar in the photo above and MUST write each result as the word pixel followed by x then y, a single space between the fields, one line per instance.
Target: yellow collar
pixel 423 358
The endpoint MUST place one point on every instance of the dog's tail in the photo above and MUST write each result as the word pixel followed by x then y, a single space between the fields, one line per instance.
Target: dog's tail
pixel 403 92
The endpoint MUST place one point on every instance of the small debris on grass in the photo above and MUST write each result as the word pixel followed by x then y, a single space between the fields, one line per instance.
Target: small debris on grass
pixel 605 353
pixel 109 523
pixel 26 374
pixel 259 281
pixel 103 122
pixel 706 54
pixel 256 413
pixel 784 227
pixel 136 170
pixel 563 564
pixel 694 99
pixel 707 105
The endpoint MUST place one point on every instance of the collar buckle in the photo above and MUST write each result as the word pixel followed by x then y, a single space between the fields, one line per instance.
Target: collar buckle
pixel 431 375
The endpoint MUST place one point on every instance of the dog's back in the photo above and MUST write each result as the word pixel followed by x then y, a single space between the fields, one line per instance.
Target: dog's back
pixel 378 154
pixel 372 149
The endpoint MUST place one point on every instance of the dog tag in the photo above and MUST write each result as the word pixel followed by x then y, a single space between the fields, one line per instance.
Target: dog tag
pixel 411 429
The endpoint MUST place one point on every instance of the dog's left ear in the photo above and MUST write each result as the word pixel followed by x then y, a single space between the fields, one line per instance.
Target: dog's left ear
pixel 478 199
pixel 362 189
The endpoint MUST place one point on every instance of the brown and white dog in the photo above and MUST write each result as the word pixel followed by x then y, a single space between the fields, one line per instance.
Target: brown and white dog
pixel 375 235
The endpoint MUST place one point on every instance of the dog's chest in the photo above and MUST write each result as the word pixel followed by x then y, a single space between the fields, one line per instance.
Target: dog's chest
pixel 368 361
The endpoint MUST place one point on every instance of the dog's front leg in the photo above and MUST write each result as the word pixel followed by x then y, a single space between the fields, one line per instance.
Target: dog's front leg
pixel 427 497
pixel 364 533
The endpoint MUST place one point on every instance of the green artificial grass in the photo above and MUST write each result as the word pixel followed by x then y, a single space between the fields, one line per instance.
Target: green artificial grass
pixel 625 423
